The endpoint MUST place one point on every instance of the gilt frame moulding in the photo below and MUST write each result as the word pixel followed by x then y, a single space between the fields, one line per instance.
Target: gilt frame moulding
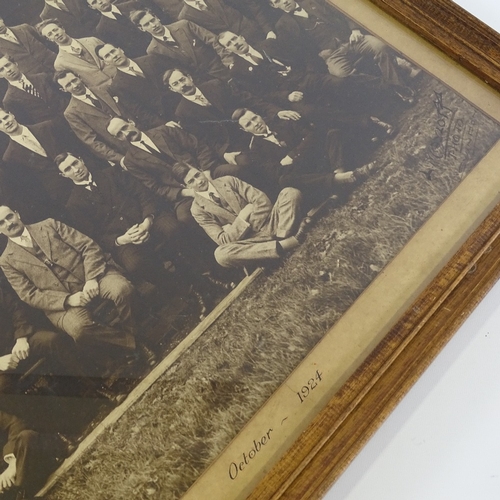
pixel 339 431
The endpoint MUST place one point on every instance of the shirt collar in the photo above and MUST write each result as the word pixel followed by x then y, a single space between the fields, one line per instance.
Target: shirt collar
pixel 251 52
pixel 9 34
pixel 67 48
pixel 18 239
pixel 19 83
pixel 165 33
pixel 86 182
pixel 193 98
pixel 111 14
pixel 84 96
pixel 211 189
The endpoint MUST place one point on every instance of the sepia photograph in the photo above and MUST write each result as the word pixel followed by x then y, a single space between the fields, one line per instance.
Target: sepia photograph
pixel 211 213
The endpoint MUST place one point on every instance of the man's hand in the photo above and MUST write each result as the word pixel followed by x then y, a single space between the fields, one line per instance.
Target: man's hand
pixel 187 193
pixel 172 124
pixel 271 34
pixel 21 349
pixel 77 299
pixel 288 115
pixel 8 476
pixel 138 234
pixel 287 160
pixel 246 211
pixel 146 224
pixel 91 289
pixel 8 362
pixel 231 157
pixel 356 36
pixel 296 96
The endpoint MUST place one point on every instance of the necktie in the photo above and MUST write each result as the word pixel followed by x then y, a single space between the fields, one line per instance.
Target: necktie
pixel 157 154
pixel 216 199
pixel 61 5
pixel 11 38
pixel 29 88
pixel 76 50
pixel 257 60
pixel 95 102
pixel 202 100
pixel 172 43
pixel 90 185
pixel 26 240
pixel 136 72
pixel 120 18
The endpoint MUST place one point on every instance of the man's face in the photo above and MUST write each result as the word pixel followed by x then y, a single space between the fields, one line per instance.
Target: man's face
pixel 252 123
pixel 234 43
pixel 123 130
pixel 285 5
pixel 152 25
pixel 73 168
pixel 9 70
pixel 181 83
pixel 56 34
pixel 196 180
pixel 196 4
pixel 8 123
pixel 114 56
pixel 72 84
pixel 100 5
pixel 10 222
pixel 3 27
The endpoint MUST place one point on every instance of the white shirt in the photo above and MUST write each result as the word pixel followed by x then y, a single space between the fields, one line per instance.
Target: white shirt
pixel 252 52
pixel 29 141
pixel 132 68
pixel 270 138
pixel 87 182
pixel 198 98
pixel 73 45
pixel 111 14
pixel 148 141
pixel 167 34
pixel 19 83
pixel 9 35
pixel 24 240
pixel 84 98
pixel 211 189
pixel 54 4
pixel 301 13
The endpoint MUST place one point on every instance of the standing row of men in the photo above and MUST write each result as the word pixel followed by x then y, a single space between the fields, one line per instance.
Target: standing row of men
pixel 145 131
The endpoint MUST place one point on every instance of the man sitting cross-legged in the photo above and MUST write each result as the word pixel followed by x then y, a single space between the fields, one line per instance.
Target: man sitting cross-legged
pixel 241 219
pixel 57 269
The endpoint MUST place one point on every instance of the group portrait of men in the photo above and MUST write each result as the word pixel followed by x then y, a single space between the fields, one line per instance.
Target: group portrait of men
pixel 172 143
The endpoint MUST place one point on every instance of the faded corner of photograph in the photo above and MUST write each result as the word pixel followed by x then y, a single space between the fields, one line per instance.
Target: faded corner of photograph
pixel 192 194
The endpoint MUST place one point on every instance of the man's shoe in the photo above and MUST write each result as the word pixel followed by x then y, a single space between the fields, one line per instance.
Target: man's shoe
pixel 112 397
pixel 68 447
pixel 147 354
pixel 227 286
pixel 411 70
pixel 405 94
pixel 365 171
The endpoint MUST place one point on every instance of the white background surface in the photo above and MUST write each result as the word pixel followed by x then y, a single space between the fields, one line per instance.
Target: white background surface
pixel 443 440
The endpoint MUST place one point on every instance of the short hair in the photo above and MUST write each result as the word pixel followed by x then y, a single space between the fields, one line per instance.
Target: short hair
pixel 39 27
pixel 168 74
pixel 8 57
pixel 114 118
pixel 136 15
pixel 99 47
pixel 62 156
pixel 59 75
pixel 238 113
pixel 180 170
pixel 222 33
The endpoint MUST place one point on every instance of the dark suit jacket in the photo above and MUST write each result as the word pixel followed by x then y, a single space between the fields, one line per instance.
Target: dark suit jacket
pixel 79 21
pixel 147 93
pixel 89 125
pixel 10 428
pixel 31 54
pixel 213 124
pixel 14 320
pixel 221 17
pixel 32 279
pixel 223 226
pixel 28 171
pixel 199 50
pixel 155 173
pixel 124 33
pixel 108 211
pixel 29 109
pixel 170 7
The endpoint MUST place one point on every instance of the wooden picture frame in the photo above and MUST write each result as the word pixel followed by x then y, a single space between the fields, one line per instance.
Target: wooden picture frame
pixel 328 445
pixel 343 420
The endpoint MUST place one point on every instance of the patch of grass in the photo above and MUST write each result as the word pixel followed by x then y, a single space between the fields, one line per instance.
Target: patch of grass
pixel 163 443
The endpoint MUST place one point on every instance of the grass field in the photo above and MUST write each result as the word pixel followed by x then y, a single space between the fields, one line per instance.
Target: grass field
pixel 162 444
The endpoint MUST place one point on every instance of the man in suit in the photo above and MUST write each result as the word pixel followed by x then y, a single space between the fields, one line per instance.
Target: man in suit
pixel 295 154
pixel 205 111
pixel 22 43
pixel 152 154
pixel 57 269
pixel 116 28
pixel 190 46
pixel 88 113
pixel 77 19
pixel 32 98
pixel 217 16
pixel 135 75
pixel 118 212
pixel 31 181
pixel 30 457
pixel 247 228
pixel 77 54
pixel 315 27
pixel 22 344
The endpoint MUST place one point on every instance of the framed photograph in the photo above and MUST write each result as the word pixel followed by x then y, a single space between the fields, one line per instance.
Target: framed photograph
pixel 312 336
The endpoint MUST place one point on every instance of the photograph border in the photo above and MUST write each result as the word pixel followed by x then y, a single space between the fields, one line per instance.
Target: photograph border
pixel 339 431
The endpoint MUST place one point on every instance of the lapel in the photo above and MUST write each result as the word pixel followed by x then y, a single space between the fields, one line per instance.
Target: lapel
pixel 42 239
pixel 89 45
pixel 157 137
pixel 213 96
pixel 47 137
pixel 228 194
pixel 214 209
pixel 17 254
pixel 185 43
pixel 107 99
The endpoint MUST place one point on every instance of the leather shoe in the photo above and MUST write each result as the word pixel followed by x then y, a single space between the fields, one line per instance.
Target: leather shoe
pixel 219 283
pixel 68 447
pixel 147 354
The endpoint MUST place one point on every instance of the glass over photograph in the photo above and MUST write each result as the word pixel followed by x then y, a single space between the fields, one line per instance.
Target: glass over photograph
pixel 192 194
